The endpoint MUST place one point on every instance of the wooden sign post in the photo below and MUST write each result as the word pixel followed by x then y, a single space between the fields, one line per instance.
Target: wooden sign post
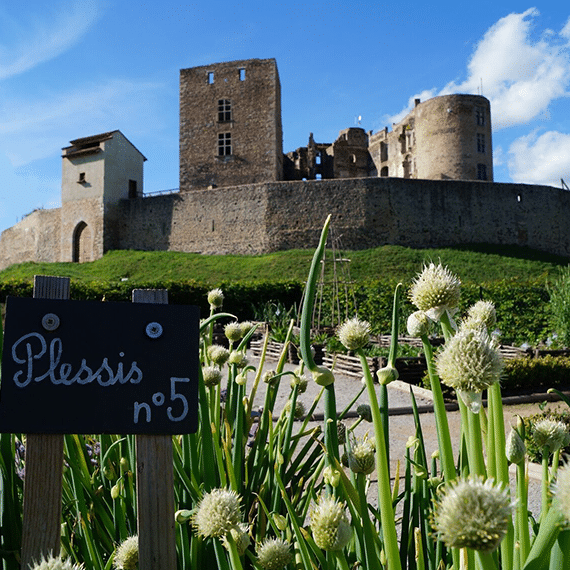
pixel 85 367
pixel 155 490
pixel 41 523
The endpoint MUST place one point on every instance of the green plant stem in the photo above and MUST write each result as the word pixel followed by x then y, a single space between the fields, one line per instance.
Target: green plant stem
pixel 560 555
pixel 523 530
pixel 539 555
pixel 383 472
pixel 545 483
pixel 446 326
pixel 321 375
pixel 371 561
pixel 496 449
pixel 485 560
pixel 475 445
pixel 341 560
pixel 441 423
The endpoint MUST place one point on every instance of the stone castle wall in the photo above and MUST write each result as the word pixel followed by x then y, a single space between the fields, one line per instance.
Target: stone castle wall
pixel 35 238
pixel 272 216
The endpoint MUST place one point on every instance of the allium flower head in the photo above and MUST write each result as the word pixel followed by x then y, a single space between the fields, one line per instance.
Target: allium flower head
pixel 418 324
pixel 270 377
pixel 274 554
pixel 341 432
pixel 322 376
pixel 515 447
pixel 218 354
pixel 240 536
pixel 330 527
pixel 331 476
pixel 354 334
pixel 562 491
pixel 361 457
pixel 217 513
pixel 470 513
pixel 300 409
pixel 245 327
pixel 549 433
pixel 56 563
pixel 435 290
pixel 481 314
pixel 470 362
pixel 233 332
pixel 127 554
pixel 300 380
pixel 212 376
pixel 238 358
pixel 365 412
pixel 215 298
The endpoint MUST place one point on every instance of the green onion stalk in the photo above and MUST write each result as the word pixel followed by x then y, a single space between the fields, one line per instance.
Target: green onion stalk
pixel 322 376
pixel 383 472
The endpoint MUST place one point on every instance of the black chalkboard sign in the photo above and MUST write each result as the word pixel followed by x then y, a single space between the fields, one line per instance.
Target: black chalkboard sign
pixel 89 367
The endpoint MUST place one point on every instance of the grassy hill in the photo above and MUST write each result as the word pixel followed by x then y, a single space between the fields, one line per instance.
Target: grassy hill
pixel 476 264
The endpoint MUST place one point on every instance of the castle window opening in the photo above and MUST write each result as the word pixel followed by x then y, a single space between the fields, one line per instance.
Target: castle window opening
pixel 210 77
pixel 224 110
pixel 318 158
pixel 384 172
pixel 224 144
pixel 242 74
pixel 82 179
pixel 480 142
pixel 132 189
pixel 519 198
pixel 383 152
pixel 481 172
pixel 480 116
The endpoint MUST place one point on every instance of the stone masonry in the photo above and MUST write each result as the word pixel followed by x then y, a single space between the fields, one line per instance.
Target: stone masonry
pixel 426 183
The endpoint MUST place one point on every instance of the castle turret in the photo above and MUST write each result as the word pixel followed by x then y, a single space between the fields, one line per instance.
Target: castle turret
pixel 447 137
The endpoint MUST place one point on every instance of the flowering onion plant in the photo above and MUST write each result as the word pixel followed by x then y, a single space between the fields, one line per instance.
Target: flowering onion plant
pixel 266 488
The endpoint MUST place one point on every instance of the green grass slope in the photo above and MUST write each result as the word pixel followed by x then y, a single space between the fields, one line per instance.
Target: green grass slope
pixel 476 264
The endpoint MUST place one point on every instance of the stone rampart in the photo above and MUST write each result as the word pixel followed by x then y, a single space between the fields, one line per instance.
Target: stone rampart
pixel 35 238
pixel 265 217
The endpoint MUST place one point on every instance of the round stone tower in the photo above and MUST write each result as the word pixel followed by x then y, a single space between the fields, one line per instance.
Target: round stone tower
pixel 454 135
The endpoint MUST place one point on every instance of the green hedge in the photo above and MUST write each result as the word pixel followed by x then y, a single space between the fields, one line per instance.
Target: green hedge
pixel 543 372
pixel 522 308
pixel 239 299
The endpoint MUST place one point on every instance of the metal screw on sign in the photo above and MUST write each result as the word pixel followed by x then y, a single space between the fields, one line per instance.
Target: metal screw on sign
pixel 50 322
pixel 154 330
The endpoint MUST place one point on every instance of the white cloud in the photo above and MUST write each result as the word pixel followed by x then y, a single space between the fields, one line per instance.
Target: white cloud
pixel 38 39
pixel 521 77
pixel 540 159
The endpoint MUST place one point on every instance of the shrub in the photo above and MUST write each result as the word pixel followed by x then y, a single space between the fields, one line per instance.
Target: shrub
pixel 560 305
pixel 543 372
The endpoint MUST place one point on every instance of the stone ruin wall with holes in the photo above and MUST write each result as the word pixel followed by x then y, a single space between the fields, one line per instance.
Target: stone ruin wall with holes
pixel 266 217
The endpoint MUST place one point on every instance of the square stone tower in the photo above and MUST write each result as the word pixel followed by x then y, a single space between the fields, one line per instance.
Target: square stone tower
pixel 230 124
pixel 97 173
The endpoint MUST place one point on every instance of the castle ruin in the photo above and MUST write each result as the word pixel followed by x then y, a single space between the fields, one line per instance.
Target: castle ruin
pixel 427 182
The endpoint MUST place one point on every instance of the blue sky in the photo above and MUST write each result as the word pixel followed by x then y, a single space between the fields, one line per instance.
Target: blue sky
pixel 75 68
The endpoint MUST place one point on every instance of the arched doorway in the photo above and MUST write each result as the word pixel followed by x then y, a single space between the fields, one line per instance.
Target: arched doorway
pixel 82 243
